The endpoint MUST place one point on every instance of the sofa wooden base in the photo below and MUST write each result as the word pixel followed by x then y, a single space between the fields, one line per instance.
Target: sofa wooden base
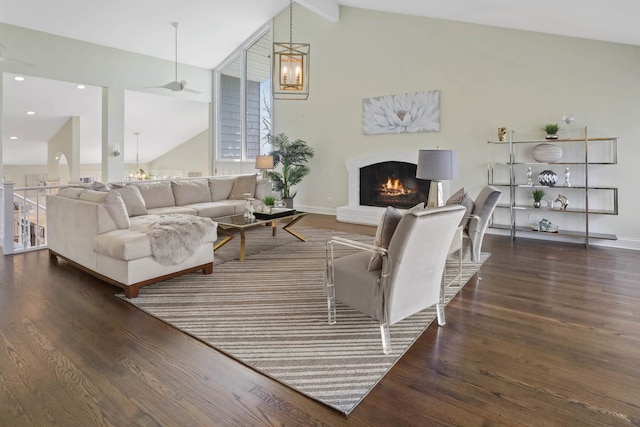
pixel 131 291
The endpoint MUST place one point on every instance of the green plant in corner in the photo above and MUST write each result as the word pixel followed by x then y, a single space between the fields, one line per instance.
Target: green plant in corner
pixel 294 157
pixel 269 200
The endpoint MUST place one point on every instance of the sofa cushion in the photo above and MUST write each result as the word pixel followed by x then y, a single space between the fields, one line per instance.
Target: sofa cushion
pixel 126 245
pixel 172 210
pixel 156 194
pixel 70 192
pixel 132 200
pixel 220 187
pixel 100 186
pixel 117 209
pixel 214 209
pixel 133 243
pixel 112 202
pixel 191 191
pixel 243 184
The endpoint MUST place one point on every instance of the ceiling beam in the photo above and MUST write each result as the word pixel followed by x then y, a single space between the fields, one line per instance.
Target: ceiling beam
pixel 328 9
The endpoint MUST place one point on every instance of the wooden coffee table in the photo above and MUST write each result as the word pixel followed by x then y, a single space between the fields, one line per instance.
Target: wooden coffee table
pixel 238 223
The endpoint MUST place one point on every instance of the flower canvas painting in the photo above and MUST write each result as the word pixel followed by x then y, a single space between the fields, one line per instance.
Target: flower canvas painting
pixel 408 112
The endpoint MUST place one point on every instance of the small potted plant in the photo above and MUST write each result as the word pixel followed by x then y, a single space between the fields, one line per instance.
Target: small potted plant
pixel 552 130
pixel 269 200
pixel 538 194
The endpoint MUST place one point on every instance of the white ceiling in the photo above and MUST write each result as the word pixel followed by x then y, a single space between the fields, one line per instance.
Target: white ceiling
pixel 211 29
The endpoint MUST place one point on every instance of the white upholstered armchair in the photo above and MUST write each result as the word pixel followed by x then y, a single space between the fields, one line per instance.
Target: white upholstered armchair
pixel 410 278
pixel 483 208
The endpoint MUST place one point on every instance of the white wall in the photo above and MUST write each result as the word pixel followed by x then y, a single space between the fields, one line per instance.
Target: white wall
pixel 116 70
pixel 488 78
pixel 191 156
pixel 65 142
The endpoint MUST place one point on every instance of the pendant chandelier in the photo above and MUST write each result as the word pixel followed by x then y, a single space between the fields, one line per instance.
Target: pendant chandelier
pixel 139 174
pixel 290 67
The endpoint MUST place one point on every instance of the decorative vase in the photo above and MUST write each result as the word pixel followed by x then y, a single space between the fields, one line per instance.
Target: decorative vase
pixel 548 178
pixel 551 136
pixel 288 202
pixel 502 134
pixel 536 204
pixel 546 153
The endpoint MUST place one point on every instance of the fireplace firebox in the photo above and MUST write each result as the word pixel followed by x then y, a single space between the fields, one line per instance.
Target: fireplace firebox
pixel 392 183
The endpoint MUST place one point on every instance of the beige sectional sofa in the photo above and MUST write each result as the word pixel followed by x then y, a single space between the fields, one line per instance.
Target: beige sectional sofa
pixel 112 230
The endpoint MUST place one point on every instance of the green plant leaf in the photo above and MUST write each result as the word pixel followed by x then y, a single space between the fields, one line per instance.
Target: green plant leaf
pixel 293 157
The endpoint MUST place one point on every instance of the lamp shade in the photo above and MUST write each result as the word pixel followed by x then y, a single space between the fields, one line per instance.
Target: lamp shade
pixel 437 165
pixel 264 162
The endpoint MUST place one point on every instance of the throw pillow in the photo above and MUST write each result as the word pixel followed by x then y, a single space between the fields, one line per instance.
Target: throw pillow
pixel 468 203
pixel 456 198
pixel 243 184
pixel 132 200
pixel 114 204
pixel 220 187
pixel 191 191
pixel 100 186
pixel 156 194
pixel 387 226
pixel 462 198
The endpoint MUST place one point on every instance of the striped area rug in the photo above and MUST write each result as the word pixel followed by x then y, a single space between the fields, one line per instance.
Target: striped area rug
pixel 270 313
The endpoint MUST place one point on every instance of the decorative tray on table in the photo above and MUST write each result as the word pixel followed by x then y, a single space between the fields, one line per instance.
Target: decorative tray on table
pixel 275 213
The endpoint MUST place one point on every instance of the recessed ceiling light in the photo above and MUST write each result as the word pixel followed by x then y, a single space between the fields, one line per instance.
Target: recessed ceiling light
pixel 13 137
pixel 18 78
pixel 80 86
pixel 30 113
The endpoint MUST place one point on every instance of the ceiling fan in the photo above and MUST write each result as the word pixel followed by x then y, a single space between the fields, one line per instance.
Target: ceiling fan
pixel 5 59
pixel 176 85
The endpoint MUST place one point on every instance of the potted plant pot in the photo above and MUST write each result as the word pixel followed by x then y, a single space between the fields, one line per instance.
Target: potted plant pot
pixel 552 131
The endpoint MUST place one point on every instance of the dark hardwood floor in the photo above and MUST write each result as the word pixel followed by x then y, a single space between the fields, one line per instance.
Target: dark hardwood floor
pixel 550 337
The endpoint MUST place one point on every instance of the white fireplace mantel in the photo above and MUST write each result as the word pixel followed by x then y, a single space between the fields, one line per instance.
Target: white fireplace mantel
pixel 368 215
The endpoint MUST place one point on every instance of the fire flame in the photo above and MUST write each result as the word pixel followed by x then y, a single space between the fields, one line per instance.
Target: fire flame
pixel 393 187
pixel 393 184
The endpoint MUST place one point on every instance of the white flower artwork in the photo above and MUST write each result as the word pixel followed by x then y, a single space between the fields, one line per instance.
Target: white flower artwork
pixel 408 112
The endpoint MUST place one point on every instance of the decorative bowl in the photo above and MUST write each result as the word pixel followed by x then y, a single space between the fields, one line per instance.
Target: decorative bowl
pixel 546 153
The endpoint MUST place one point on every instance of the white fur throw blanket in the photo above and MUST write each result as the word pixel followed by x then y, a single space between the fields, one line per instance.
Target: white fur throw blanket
pixel 174 237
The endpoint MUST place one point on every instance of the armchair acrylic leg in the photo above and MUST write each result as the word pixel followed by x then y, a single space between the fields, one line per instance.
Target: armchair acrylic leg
pixel 386 338
pixel 331 303
pixel 440 312
pixel 329 283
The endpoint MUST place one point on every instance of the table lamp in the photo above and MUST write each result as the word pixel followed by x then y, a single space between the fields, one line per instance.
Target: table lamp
pixel 264 163
pixel 436 165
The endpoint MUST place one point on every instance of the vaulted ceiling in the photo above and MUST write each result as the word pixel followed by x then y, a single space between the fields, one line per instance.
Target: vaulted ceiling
pixel 210 30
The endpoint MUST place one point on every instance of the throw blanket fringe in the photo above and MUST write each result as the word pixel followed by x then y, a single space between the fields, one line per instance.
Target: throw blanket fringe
pixel 174 237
